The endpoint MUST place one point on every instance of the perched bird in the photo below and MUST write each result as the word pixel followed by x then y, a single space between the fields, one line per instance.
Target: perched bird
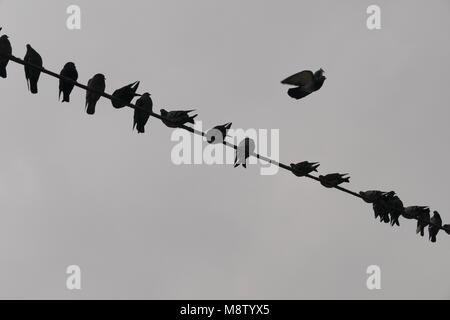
pixel 423 220
pixel 413 212
pixel 303 168
pixel 125 94
pixel 380 209
pixel 435 225
pixel 333 179
pixel 69 71
pixel 32 74
pixel 245 148
pixel 394 206
pixel 142 113
pixel 371 196
pixel 306 83
pixel 174 119
pixel 6 49
pixel 98 84
pixel 218 133
pixel 382 206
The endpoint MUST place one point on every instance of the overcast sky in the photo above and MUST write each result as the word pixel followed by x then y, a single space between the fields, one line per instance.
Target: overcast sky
pixel 77 189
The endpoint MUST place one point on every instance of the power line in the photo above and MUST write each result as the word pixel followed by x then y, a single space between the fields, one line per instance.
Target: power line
pixel 187 128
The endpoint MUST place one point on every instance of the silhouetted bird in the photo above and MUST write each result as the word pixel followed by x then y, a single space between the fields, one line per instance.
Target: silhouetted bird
pixel 434 227
pixel 245 148
pixel 333 179
pixel 174 119
pixel 32 74
pixel 306 83
pixel 218 133
pixel 382 206
pixel 5 48
pixel 98 84
pixel 69 71
pixel 142 113
pixel 381 210
pixel 413 212
pixel 303 168
pixel 125 94
pixel 394 207
pixel 423 219
pixel 371 196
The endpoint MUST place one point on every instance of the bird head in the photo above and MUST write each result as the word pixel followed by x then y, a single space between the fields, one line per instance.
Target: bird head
pixel 163 112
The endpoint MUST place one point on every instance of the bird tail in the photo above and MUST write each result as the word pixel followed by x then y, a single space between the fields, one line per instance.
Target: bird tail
pixel 90 108
pixel 432 237
pixel 420 229
pixel 140 128
pixel 66 97
pixel 228 125
pixel 191 119
pixel 346 179
pixel 33 87
pixel 3 72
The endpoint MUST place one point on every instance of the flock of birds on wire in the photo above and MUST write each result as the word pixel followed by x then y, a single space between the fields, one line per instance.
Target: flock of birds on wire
pixel 387 206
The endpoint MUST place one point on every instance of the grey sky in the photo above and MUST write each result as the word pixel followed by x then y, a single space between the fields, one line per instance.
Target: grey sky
pixel 87 190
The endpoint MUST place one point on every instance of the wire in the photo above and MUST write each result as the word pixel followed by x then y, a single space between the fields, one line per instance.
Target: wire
pixel 192 130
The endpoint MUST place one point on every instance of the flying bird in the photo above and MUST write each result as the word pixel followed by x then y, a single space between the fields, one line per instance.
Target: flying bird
pixel 303 168
pixel 423 220
pixel 98 84
pixel 245 148
pixel 435 225
pixel 32 74
pixel 6 49
pixel 69 71
pixel 333 179
pixel 305 82
pixel 125 94
pixel 142 113
pixel 175 119
pixel 218 133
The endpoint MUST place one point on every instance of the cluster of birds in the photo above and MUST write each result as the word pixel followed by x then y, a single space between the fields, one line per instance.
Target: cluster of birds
pixel 386 205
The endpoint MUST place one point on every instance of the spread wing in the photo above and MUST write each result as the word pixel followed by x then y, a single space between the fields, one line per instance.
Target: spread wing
pixel 303 78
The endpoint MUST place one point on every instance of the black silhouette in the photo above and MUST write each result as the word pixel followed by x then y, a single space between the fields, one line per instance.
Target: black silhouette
pixel 125 95
pixel 306 83
pixel 304 168
pixel 141 116
pixel 446 228
pixel 98 84
pixel 245 148
pixel 394 207
pixel 384 205
pixel 435 224
pixel 32 74
pixel 175 119
pixel 6 49
pixel 69 71
pixel 423 220
pixel 412 212
pixel 333 179
pixel 371 196
pixel 218 133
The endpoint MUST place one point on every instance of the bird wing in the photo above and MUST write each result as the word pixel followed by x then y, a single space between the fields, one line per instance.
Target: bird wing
pixel 303 78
